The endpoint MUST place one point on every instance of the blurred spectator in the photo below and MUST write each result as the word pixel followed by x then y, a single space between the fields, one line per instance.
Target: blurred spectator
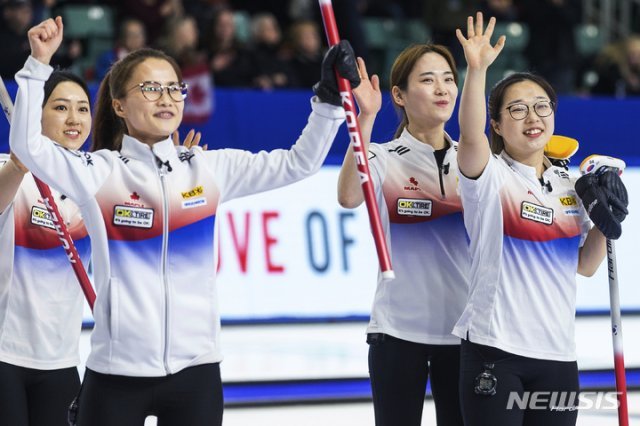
pixel 154 14
pixel 444 17
pixel 552 47
pixel 230 62
pixel 349 24
pixel 278 8
pixel 130 37
pixel 14 44
pixel 273 71
pixel 202 11
pixel 381 8
pixel 618 68
pixel 307 53
pixel 303 10
pixel 502 10
pixel 181 42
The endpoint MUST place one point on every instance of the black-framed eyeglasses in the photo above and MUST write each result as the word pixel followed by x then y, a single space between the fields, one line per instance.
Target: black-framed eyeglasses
pixel 521 111
pixel 152 90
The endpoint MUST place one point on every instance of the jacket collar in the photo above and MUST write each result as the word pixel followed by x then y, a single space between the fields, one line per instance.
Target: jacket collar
pixel 133 148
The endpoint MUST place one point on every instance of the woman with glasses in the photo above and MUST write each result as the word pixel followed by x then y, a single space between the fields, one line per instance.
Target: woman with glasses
pixel 529 235
pixel 150 209
pixel 41 303
pixel 415 177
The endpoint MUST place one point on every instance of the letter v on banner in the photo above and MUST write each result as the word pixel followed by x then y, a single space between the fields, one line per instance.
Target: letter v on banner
pixel 344 87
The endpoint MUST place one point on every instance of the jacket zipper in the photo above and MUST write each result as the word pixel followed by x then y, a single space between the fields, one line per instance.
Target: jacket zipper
pixel 440 170
pixel 165 281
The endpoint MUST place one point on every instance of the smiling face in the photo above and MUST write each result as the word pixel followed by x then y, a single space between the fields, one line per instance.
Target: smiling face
pixel 527 137
pixel 431 92
pixel 66 116
pixel 150 121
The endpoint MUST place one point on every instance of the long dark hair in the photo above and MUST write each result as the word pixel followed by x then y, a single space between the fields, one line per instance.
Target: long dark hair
pixel 61 76
pixel 404 64
pixel 108 128
pixel 496 101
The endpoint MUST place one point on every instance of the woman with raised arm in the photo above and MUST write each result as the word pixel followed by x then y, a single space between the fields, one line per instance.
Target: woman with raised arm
pixel 529 235
pixel 415 180
pixel 40 300
pixel 150 209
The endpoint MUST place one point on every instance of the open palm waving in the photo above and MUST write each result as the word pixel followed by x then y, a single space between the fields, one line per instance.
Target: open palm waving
pixel 477 46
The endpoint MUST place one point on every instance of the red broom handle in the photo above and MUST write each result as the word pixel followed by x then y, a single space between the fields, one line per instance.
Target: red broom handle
pixel 331 29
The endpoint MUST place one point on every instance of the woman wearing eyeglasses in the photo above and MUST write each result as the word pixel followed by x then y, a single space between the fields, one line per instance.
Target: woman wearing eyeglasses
pixel 529 235
pixel 150 210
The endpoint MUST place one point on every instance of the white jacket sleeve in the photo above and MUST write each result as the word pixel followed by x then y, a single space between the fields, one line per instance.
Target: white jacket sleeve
pixel 76 174
pixel 239 173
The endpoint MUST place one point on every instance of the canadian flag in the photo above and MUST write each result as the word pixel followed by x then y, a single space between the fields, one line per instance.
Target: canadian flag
pixel 199 103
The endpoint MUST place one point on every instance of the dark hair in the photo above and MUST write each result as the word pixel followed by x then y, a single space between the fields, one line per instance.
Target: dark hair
pixel 108 128
pixel 496 101
pixel 404 64
pixel 61 76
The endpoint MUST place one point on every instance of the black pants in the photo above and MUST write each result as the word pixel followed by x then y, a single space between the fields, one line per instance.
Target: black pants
pixel 192 397
pixel 399 371
pixel 30 397
pixel 519 374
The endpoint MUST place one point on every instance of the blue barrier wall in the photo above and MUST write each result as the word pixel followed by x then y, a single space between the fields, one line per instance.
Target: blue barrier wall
pixel 253 120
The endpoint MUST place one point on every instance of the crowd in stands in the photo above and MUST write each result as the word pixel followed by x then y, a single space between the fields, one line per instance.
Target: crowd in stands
pixel 273 44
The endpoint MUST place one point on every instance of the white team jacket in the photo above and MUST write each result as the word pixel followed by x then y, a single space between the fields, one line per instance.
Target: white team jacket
pixel 151 215
pixel 40 299
pixel 421 215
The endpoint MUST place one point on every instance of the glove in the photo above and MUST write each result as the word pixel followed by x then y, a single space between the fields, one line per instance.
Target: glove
pixel 342 57
pixel 595 201
pixel 616 194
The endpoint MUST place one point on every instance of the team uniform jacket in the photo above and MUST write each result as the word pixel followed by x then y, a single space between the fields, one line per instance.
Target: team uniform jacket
pixel 525 240
pixel 421 214
pixel 151 214
pixel 41 302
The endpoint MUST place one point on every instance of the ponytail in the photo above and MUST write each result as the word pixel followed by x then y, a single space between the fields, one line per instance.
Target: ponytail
pixel 108 128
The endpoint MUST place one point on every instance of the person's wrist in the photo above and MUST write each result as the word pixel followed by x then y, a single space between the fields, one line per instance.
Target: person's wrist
pixel 44 59
pixel 19 168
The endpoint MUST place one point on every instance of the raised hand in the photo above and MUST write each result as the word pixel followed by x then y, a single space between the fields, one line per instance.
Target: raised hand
pixel 367 94
pixel 477 46
pixel 45 39
pixel 192 139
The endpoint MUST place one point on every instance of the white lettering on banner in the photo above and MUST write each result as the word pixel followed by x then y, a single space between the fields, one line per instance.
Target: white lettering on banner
pixel 135 217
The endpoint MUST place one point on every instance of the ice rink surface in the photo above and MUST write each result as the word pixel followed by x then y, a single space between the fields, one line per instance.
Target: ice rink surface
pixel 265 353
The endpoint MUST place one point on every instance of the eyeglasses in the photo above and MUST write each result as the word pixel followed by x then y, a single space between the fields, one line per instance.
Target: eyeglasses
pixel 521 111
pixel 152 90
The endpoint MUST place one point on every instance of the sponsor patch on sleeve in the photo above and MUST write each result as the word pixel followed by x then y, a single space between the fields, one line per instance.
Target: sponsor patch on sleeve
pixel 536 213
pixel 135 217
pixel 41 217
pixel 414 207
